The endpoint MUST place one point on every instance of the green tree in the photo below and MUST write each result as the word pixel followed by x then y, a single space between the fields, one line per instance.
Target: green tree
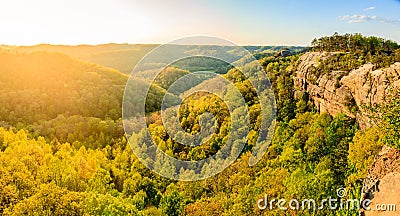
pixel 172 202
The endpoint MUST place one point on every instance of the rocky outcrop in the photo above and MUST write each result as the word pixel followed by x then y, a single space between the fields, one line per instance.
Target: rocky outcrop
pixel 323 90
pixel 382 185
pixel 345 92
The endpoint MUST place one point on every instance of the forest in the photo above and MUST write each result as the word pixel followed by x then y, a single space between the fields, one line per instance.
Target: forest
pixel 64 151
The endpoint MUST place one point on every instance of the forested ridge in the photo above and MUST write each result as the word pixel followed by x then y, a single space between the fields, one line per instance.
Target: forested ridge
pixel 64 151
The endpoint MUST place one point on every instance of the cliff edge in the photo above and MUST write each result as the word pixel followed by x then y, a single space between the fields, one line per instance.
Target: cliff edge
pixel 349 92
pixel 342 91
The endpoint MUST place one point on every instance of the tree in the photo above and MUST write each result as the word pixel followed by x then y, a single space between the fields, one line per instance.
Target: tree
pixel 172 202
pixel 362 152
pixel 387 117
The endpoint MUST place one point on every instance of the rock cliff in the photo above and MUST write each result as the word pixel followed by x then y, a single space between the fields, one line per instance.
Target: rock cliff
pixel 382 184
pixel 345 92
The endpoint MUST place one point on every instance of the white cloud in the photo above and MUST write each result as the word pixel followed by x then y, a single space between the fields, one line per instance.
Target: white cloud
pixel 369 8
pixel 357 18
pixel 366 18
pixel 389 20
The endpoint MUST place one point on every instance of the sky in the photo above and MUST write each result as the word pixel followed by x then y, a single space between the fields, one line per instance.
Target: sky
pixel 244 22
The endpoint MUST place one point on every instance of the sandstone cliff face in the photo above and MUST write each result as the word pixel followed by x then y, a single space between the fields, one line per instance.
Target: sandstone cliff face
pixel 347 92
pixel 343 92
pixel 382 185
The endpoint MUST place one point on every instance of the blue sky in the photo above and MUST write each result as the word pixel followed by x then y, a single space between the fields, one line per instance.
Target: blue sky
pixel 297 22
pixel 251 22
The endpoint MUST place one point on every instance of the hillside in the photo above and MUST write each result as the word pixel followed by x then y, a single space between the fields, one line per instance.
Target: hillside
pixel 63 150
pixel 40 86
pixel 51 94
pixel 124 57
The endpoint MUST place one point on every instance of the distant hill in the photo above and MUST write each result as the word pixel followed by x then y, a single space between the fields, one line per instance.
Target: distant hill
pixel 40 86
pixel 124 57
pixel 44 81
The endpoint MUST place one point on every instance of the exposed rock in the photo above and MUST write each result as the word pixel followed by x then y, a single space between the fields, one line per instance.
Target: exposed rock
pixel 347 92
pixel 343 92
pixel 382 185
pixel 284 53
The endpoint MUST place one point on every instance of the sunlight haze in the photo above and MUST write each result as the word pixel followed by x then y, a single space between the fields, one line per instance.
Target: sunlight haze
pixel 243 22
